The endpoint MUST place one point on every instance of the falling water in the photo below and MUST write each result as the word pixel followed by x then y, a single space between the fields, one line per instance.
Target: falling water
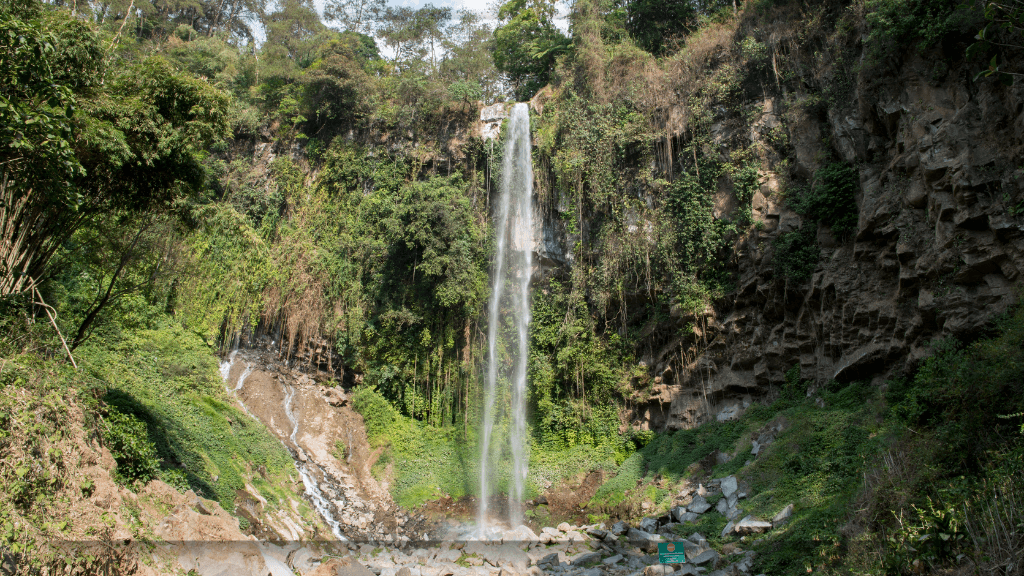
pixel 514 260
pixel 309 482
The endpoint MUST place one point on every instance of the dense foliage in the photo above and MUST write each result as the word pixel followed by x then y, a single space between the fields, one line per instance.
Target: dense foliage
pixel 168 186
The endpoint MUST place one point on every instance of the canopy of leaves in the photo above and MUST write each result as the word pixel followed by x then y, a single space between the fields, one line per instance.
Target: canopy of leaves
pixel 526 43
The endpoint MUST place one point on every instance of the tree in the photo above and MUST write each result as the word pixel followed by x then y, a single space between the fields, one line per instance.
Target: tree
pixel 413 34
pixel 335 85
pixel 653 24
pixel 526 43
pixel 355 15
pixel 75 148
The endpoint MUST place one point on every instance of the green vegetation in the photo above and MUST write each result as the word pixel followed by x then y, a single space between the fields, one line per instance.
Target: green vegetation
pixel 129 443
pixel 163 382
pixel 832 199
pixel 796 253
pixel 882 479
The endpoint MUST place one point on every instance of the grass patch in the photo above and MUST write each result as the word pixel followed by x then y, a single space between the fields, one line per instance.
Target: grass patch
pixel 167 379
pixel 429 462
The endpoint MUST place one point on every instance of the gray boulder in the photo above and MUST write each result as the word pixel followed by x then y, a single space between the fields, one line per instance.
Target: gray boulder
pixel 750 525
pixel 783 516
pixel 729 485
pixel 705 557
pixel 698 505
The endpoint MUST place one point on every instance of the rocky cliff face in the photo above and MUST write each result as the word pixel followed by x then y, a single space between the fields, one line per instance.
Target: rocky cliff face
pixel 937 250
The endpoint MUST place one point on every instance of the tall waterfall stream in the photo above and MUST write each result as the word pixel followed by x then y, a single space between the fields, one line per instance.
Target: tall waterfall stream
pixel 511 286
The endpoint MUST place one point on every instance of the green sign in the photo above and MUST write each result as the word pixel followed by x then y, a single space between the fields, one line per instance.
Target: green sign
pixel 671 553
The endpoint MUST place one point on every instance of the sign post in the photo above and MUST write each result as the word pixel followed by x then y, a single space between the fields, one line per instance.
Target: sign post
pixel 671 553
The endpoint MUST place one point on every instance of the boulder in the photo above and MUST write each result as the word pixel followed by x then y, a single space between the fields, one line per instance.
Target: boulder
pixel 564 527
pixel 698 505
pixel 705 557
pixel 619 528
pixel 733 513
pixel 783 516
pixel 643 540
pixel 342 567
pixel 549 560
pixel 611 560
pixel 658 570
pixel 722 506
pixel 649 525
pixel 588 558
pixel 688 570
pixel 729 486
pixel 750 525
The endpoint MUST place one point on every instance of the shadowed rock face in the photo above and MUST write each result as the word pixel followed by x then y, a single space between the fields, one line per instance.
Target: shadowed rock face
pixel 937 250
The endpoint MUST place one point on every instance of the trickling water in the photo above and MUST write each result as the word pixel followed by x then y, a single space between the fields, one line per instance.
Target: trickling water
pixel 245 374
pixel 514 225
pixel 312 488
pixel 225 366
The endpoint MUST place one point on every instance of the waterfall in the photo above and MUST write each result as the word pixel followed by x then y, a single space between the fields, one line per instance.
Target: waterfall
pixel 513 263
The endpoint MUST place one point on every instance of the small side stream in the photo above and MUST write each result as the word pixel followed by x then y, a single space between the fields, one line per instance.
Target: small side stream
pixel 308 470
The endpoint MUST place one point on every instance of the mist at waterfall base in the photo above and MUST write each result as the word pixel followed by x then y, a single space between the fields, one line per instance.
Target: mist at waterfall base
pixel 509 308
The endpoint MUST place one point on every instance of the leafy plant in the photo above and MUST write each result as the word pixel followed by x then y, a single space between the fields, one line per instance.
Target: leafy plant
pixel 129 443
pixel 832 198
pixel 796 253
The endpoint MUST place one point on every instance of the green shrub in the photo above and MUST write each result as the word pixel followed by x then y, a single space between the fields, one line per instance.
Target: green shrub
pixel 796 253
pixel 128 441
pixel 832 199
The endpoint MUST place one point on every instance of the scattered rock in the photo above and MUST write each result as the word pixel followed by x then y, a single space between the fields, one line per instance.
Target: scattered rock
pixel 750 525
pixel 705 557
pixel 728 529
pixel 722 506
pixel 729 486
pixel 698 505
pixel 658 570
pixel 783 516
pixel 564 527
pixel 619 528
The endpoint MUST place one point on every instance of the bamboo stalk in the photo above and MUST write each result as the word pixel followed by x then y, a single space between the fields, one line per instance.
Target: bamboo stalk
pixel 53 322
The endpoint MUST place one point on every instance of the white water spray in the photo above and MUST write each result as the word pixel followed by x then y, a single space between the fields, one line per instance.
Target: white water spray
pixel 514 223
